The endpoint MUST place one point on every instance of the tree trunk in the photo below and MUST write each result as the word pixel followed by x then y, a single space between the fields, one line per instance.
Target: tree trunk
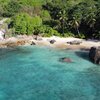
pixel 78 31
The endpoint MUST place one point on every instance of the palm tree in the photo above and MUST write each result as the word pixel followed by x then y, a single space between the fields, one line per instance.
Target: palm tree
pixel 75 24
pixel 63 18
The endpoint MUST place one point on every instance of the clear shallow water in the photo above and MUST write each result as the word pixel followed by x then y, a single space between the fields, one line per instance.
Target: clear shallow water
pixel 35 73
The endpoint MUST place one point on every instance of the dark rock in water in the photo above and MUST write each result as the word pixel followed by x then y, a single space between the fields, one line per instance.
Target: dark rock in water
pixel 52 41
pixel 65 59
pixel 94 55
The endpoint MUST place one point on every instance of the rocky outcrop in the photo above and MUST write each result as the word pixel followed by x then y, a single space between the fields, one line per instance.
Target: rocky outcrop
pixel 2 34
pixel 94 55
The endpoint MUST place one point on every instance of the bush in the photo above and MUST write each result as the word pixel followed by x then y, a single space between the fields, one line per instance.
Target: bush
pixel 97 35
pixel 37 21
pixel 11 8
pixel 25 24
pixel 69 34
pixel 50 32
pixel 45 15
pixel 45 31
pixel 80 35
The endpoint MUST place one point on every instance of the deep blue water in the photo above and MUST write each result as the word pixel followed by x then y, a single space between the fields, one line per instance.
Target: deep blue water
pixel 35 73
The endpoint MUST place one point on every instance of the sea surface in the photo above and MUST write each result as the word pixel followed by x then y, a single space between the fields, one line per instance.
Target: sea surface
pixel 35 73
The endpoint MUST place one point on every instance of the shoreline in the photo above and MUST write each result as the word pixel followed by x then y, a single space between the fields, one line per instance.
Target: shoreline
pixel 60 43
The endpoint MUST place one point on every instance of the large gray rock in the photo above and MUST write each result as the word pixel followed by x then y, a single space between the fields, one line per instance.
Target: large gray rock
pixel 94 55
pixel 52 41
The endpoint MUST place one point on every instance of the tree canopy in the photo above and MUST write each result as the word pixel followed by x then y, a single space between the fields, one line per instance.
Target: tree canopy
pixel 78 17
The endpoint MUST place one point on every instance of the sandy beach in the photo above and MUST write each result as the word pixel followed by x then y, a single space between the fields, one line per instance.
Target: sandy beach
pixel 61 43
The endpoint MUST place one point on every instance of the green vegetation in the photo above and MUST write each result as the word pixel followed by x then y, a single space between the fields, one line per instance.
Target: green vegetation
pixel 25 24
pixel 78 18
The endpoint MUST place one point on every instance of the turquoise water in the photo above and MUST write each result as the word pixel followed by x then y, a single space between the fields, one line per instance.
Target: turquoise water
pixel 35 73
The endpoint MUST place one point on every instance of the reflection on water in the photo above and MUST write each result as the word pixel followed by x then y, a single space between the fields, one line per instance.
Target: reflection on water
pixel 35 73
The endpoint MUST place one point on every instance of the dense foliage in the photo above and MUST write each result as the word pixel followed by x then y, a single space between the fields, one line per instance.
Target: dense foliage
pixel 79 18
pixel 25 24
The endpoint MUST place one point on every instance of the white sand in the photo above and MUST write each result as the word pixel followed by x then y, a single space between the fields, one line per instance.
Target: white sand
pixel 60 42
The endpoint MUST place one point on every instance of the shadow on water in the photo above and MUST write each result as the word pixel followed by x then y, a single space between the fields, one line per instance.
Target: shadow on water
pixel 15 49
pixel 83 54
pixel 5 52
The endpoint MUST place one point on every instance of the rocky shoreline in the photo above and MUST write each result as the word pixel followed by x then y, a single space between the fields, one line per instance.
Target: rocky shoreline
pixel 55 42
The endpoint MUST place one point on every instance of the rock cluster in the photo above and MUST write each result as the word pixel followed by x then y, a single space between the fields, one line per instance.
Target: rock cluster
pixel 17 42
pixel 75 42
pixel 94 55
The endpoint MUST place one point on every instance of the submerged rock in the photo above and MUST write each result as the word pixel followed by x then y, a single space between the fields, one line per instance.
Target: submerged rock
pixel 94 55
pixel 65 59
